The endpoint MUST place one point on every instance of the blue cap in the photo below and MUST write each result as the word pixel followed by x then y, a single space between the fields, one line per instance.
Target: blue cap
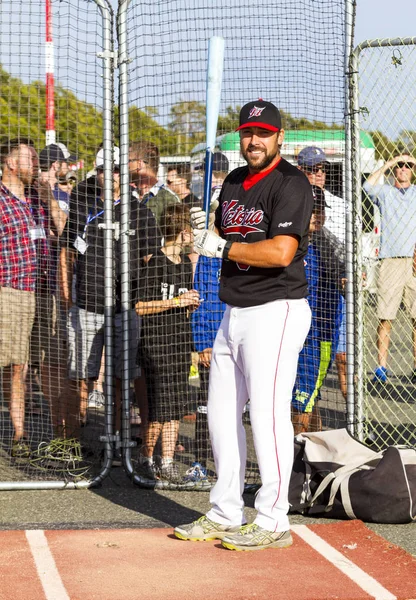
pixel 311 156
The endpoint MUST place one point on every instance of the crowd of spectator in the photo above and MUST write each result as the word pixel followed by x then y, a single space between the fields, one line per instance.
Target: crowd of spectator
pixel 52 294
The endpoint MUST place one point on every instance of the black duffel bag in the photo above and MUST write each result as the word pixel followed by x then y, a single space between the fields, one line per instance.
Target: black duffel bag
pixel 336 476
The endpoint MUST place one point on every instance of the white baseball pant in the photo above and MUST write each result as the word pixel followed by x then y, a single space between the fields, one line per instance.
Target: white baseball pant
pixel 255 357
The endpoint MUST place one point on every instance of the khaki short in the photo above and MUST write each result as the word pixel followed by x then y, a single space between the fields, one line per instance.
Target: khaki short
pixel 86 337
pixel 43 344
pixel 395 283
pixel 17 313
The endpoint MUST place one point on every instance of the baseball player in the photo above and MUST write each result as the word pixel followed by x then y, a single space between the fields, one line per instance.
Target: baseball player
pixel 261 233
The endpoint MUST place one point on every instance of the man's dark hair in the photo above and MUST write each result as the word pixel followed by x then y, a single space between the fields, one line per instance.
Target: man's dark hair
pixel 10 145
pixel 148 152
pixel 174 219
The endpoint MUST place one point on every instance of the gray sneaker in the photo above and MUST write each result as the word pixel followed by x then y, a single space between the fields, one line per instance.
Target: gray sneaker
pixel 170 472
pixel 253 537
pixel 202 530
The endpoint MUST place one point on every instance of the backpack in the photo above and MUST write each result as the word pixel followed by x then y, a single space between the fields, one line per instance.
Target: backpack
pixel 336 476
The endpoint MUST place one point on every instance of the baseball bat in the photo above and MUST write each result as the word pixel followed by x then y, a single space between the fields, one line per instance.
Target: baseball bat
pixel 214 81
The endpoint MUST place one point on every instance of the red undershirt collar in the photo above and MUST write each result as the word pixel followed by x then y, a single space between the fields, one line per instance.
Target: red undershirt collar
pixel 251 180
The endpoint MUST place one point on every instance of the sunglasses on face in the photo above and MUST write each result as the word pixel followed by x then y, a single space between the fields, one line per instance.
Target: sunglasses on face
pixel 315 169
pixel 401 165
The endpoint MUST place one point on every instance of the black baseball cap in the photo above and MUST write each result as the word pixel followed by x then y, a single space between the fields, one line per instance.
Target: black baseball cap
pixel 260 114
pixel 219 162
pixel 49 155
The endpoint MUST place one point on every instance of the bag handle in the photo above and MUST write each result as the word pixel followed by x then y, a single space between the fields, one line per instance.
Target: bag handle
pixel 337 477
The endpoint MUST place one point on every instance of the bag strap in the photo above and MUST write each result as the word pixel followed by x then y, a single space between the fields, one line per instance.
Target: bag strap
pixel 346 497
pixel 337 477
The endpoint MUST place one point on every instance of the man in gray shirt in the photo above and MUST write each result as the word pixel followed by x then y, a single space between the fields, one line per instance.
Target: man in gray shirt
pixel 397 204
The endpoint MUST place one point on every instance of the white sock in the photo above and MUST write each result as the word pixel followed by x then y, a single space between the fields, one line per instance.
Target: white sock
pixel 143 460
pixel 166 461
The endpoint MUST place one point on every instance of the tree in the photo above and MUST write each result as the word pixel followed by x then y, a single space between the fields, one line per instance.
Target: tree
pixel 188 124
pixel 229 121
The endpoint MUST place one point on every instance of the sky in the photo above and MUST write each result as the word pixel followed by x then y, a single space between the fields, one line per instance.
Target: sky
pixel 387 91
pixel 298 41
pixel 384 18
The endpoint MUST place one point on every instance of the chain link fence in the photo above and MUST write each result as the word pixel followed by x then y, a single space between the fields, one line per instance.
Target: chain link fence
pixel 385 204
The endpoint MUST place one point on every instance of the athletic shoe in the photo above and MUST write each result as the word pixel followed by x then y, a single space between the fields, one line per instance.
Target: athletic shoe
pixel 253 537
pixel 148 471
pixel 380 375
pixel 96 399
pixel 203 530
pixel 196 473
pixel 170 472
pixel 20 450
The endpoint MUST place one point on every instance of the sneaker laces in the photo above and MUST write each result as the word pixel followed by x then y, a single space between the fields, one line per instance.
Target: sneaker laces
pixel 247 529
pixel 202 519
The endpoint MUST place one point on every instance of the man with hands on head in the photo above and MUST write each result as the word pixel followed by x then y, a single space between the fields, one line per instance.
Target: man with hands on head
pixel 396 281
pixel 261 233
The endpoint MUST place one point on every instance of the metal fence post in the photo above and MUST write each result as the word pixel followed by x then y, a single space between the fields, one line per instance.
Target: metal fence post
pixel 123 61
pixel 108 89
pixel 349 21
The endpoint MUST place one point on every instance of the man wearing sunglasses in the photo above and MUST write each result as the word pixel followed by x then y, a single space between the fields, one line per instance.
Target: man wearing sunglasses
pixel 397 204
pixel 313 162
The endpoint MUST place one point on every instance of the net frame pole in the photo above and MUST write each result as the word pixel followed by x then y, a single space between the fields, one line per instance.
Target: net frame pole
pixel 349 294
pixel 357 273
pixel 123 62
pixel 49 75
pixel 108 94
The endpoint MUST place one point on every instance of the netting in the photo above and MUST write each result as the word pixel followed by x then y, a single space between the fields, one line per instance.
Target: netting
pixel 385 237
pixel 291 53
pixel 48 51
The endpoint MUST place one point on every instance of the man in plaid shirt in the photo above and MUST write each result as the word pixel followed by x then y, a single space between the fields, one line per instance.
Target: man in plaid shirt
pixel 18 234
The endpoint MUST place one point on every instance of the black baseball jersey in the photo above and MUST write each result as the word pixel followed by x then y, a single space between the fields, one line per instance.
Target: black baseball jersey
pixel 166 338
pixel 84 236
pixel 278 204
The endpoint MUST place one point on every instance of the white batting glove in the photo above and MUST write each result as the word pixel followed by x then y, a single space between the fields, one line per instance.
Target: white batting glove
pixel 198 217
pixel 208 243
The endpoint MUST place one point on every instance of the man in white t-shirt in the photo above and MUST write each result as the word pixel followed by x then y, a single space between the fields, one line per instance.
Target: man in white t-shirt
pixel 313 162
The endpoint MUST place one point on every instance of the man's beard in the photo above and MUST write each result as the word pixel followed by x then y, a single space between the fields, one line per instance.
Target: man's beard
pixel 257 166
pixel 27 177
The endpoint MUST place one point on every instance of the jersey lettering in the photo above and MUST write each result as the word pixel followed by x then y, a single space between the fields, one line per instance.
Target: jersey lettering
pixel 235 218
pixel 168 290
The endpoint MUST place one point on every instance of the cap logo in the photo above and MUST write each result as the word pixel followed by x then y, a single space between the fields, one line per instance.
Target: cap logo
pixel 256 111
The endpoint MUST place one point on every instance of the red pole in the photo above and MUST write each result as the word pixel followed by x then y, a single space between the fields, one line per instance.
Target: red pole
pixel 49 70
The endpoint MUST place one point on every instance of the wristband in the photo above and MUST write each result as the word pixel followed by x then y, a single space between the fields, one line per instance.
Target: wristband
pixel 226 250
